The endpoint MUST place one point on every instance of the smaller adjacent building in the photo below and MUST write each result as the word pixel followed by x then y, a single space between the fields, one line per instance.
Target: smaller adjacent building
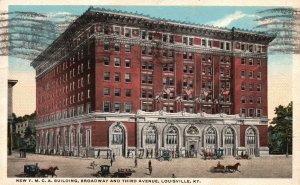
pixel 22 126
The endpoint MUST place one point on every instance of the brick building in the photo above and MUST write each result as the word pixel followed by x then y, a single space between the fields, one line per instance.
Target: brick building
pixel 135 85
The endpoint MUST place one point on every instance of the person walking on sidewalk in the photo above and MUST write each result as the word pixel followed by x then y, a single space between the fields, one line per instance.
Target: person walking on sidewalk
pixel 135 162
pixel 150 170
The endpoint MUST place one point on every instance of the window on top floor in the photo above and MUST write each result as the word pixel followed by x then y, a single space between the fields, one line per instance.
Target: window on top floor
pixel 143 34
pixel 209 43
pixel 150 35
pixel 250 48
pixel 203 42
pixel 185 40
pixel 221 45
pixel 165 38
pixel 243 47
pixel 117 30
pixel 127 32
pixel 171 38
pixel 227 46
pixel 259 49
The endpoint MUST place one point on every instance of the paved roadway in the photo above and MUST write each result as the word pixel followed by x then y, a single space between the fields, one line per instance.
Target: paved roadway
pixel 260 167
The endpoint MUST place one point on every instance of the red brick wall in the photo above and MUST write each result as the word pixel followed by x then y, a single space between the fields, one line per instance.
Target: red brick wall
pixel 263 135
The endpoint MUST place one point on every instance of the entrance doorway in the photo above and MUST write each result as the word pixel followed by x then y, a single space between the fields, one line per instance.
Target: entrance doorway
pixel 192 148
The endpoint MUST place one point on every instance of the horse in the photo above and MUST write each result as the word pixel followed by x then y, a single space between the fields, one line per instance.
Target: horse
pixel 49 171
pixel 233 168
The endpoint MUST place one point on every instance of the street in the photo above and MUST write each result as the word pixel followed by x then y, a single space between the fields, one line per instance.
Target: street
pixel 259 167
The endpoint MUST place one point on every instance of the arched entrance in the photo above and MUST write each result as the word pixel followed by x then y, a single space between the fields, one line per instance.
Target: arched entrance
pixel 251 141
pixel 117 139
pixel 150 141
pixel 210 139
pixel 192 141
pixel 229 141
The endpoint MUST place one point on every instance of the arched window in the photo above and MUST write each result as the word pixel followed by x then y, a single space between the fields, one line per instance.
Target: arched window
pixel 250 136
pixel 172 135
pixel 210 136
pixel 117 135
pixel 151 135
pixel 192 130
pixel 229 136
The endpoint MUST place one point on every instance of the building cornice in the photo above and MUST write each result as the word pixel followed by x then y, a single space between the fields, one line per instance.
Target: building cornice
pixel 92 16
pixel 158 117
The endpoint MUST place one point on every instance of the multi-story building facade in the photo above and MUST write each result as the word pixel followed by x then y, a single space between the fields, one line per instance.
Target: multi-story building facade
pixel 128 83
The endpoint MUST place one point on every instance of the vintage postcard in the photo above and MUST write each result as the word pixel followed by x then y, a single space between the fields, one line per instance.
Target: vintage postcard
pixel 149 93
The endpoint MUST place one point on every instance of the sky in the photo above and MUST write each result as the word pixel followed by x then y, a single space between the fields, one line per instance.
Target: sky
pixel 279 65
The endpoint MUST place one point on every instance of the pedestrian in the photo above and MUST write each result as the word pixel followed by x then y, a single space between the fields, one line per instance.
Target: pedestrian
pixel 150 170
pixel 173 175
pixel 114 156
pixel 149 164
pixel 135 162
pixel 111 162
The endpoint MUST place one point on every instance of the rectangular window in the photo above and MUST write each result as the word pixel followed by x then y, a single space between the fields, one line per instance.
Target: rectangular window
pixel 150 65
pixel 128 107
pixel 185 40
pixel 258 87
pixel 128 92
pixel 258 112
pixel 117 107
pixel 144 93
pixel 227 46
pixel 184 55
pixel 250 48
pixel 117 77
pixel 259 75
pixel 243 112
pixel 251 112
pixel 243 61
pixel 150 51
pixel 144 65
pixel 150 35
pixel 106 61
pixel 243 74
pixel 243 87
pixel 106 75
pixel 258 100
pixel 143 79
pixel 251 74
pixel 106 45
pixel 150 95
pixel 144 50
pixel 221 45
pixel 106 91
pixel 191 40
pixel 171 81
pixel 117 92
pixel 127 47
pixel 209 43
pixel 165 67
pixel 106 106
pixel 117 30
pixel 190 56
pixel 127 77
pixel 251 61
pixel 150 79
pixel 127 62
pixel 117 62
pixel 117 46
pixel 203 42
pixel 165 38
pixel 171 67
pixel 258 62
pixel 243 99
pixel 251 87
pixel 251 99
pixel 171 38
pixel 127 32
pixel 143 34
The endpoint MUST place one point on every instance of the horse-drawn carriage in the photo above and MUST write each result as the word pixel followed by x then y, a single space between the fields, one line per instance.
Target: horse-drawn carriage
pixel 34 171
pixel 217 154
pixel 243 156
pixel 165 156
pixel 122 173
pixel 225 169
